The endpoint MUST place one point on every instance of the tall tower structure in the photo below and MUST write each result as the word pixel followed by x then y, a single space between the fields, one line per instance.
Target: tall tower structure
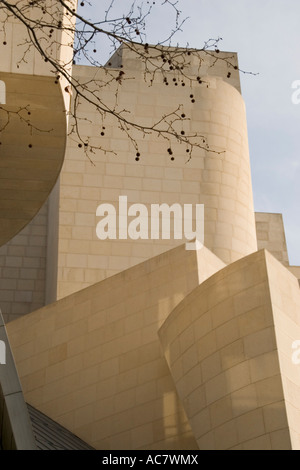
pixel 218 177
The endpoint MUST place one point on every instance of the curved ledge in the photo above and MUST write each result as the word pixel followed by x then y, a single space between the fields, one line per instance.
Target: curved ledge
pixel 33 140
pixel 226 351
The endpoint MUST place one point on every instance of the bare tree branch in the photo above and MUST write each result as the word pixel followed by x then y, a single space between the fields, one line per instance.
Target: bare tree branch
pixel 48 28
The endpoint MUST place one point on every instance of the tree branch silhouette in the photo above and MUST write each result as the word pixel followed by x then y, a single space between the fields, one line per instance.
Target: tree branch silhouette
pixel 51 25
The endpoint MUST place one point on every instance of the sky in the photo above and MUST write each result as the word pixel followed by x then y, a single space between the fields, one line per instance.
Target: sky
pixel 266 36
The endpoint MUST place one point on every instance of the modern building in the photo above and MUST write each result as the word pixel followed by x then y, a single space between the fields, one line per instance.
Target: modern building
pixel 135 342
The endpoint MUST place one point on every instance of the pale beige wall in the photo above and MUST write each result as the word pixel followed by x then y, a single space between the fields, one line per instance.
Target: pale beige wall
pixel 52 245
pixel 285 297
pixel 93 362
pixel 231 366
pixel 271 235
pixel 22 269
pixel 221 182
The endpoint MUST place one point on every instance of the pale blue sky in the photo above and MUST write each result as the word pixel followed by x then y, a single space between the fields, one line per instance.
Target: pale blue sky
pixel 266 35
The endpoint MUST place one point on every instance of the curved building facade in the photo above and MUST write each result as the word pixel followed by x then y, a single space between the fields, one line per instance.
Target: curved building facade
pixel 225 185
pixel 216 173
pixel 132 341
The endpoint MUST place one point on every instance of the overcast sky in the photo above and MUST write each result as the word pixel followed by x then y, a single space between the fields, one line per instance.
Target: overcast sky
pixel 266 36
